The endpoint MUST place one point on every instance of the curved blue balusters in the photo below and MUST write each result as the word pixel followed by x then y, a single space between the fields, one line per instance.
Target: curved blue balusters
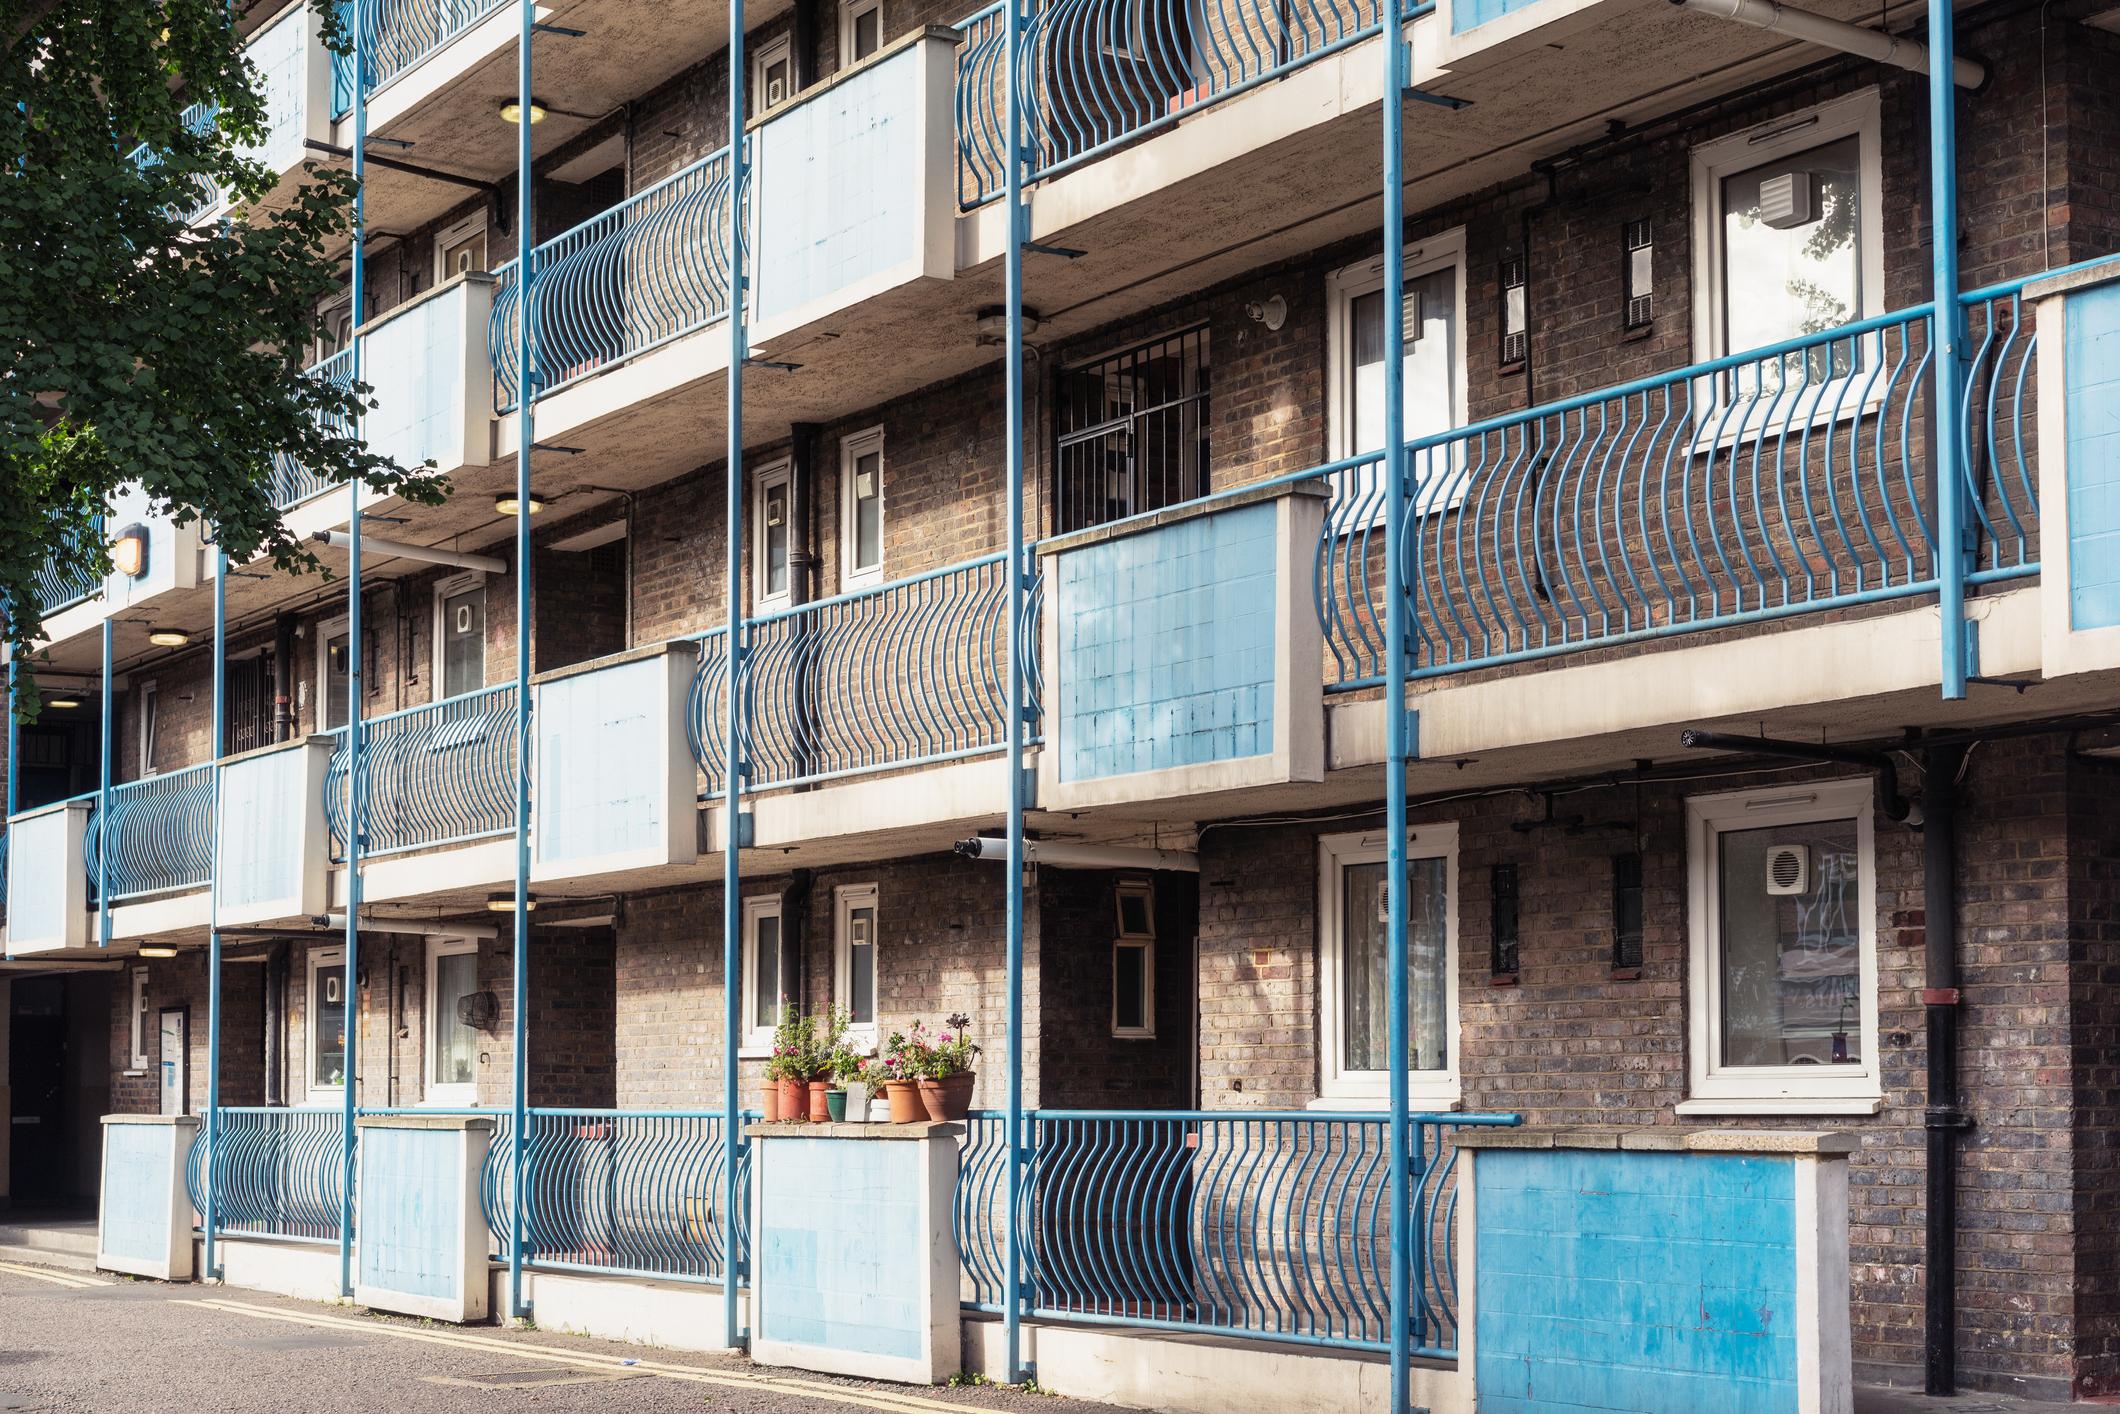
pixel 432 775
pixel 159 834
pixel 293 483
pixel 400 34
pixel 279 1172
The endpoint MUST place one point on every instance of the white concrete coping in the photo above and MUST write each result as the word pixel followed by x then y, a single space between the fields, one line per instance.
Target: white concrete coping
pixel 945 33
pixel 82 802
pixel 1666 1139
pixel 800 1129
pixel 293 743
pixel 688 647
pixel 446 287
pixel 1315 486
pixel 2103 273
pixel 423 1122
pixel 151 1119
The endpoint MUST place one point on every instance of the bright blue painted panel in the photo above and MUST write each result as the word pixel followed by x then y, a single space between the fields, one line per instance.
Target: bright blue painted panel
pixel 2092 359
pixel 843 1244
pixel 136 1190
pixel 1471 14
pixel 411 1220
pixel 1167 646
pixel 1650 1282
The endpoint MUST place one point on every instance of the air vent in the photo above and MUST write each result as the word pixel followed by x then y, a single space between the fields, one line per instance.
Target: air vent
pixel 1785 200
pixel 1788 869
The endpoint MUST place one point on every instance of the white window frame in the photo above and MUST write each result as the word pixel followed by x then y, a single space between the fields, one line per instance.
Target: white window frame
pixel 1443 251
pixel 150 711
pixel 325 632
pixel 849 12
pixel 320 958
pixel 472 225
pixel 138 1025
pixel 1785 1089
pixel 1145 944
pixel 1857 116
pixel 757 1041
pixel 852 448
pixel 774 473
pixel 845 899
pixel 448 588
pixel 764 57
pixel 434 1093
pixel 1366 1089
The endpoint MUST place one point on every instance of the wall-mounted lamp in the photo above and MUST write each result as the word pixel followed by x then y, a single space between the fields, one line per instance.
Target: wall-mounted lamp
pixel 128 551
pixel 1273 313
pixel 168 637
pixel 512 111
pixel 506 504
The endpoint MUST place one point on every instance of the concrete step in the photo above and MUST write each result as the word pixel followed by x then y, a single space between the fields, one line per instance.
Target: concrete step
pixel 47 1257
pixel 64 1239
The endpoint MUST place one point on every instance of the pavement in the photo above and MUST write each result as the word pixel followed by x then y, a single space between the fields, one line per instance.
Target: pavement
pixel 72 1340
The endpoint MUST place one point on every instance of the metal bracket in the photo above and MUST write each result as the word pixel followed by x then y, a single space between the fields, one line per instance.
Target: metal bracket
pixel 1067 252
pixel 746 829
pixel 556 447
pixel 1440 100
pixel 1413 734
pixel 780 364
pixel 1948 1117
pixel 542 28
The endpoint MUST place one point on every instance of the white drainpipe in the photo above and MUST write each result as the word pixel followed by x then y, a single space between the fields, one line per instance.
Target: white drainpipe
pixel 1835 34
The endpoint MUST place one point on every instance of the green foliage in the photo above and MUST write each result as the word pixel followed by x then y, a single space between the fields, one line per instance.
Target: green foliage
pixel 137 348
pixel 915 1055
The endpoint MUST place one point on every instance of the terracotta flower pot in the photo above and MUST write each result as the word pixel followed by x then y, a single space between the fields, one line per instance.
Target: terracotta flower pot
pixel 948 1098
pixel 904 1096
pixel 819 1111
pixel 794 1101
pixel 769 1100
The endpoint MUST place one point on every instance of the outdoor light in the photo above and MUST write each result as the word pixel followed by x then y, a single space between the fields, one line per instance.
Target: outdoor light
pixel 168 637
pixel 157 950
pixel 505 903
pixel 62 702
pixel 506 505
pixel 128 552
pixel 512 111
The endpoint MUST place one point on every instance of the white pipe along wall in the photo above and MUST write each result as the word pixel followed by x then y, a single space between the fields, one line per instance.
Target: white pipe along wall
pixel 1835 34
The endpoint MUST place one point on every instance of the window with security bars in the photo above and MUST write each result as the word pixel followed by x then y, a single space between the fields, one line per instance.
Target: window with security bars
pixel 1131 432
pixel 250 703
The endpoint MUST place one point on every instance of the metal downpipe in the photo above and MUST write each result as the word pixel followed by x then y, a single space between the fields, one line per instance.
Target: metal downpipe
pixel 1943 1119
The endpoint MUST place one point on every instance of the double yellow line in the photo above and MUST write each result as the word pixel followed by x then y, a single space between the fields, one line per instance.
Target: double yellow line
pixel 56 1278
pixel 819 1390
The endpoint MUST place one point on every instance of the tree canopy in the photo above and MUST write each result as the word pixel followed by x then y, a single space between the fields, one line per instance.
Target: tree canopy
pixel 138 348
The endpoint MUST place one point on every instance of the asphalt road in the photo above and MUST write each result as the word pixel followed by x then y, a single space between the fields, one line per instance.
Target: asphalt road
pixel 78 1341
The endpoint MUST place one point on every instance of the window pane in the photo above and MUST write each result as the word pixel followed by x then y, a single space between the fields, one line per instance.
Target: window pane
pixel 333 711
pixel 1130 987
pixel 464 642
pixel 1363 979
pixel 1803 273
pixel 765 954
pixel 1431 359
pixel 865 33
pixel 1791 958
pixel 776 532
pixel 328 1012
pixel 861 965
pixel 455 1044
pixel 868 510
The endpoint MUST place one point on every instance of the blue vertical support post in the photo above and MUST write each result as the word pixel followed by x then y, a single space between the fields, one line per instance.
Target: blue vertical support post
pixel 1012 1303
pixel 1395 609
pixel 14 739
pixel 732 733
pixel 356 821
pixel 1948 321
pixel 211 1216
pixel 103 798
pixel 525 436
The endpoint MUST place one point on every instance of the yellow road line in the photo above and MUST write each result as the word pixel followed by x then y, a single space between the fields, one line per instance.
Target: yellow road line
pixel 891 1400
pixel 55 1278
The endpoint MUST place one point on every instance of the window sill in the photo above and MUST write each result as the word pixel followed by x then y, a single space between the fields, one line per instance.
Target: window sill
pixel 1783 1105
pixel 1434 1102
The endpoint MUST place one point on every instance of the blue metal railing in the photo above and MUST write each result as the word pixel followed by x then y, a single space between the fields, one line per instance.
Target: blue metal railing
pixel 620 1192
pixel 1099 73
pixel 432 775
pixel 196 119
pixel 293 483
pixel 1268 1225
pixel 159 834
pixel 65 580
pixel 279 1172
pixel 649 270
pixel 908 673
pixel 401 35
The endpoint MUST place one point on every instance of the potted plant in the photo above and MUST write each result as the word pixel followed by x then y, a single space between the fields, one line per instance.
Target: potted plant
pixel 819 1074
pixel 947 1076
pixel 847 1069
pixel 793 1044
pixel 859 1083
pixel 902 1060
pixel 769 1092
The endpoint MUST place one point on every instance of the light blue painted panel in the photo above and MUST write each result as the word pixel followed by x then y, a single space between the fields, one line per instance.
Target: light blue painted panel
pixel 1167 646
pixel 37 889
pixel 837 185
pixel 260 829
pixel 603 773
pixel 281 53
pixel 1471 14
pixel 2093 414
pixel 136 1191
pixel 842 1246
pixel 411 1217
pixel 415 362
pixel 1657 1283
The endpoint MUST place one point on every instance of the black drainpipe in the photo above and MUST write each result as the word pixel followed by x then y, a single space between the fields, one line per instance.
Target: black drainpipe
pixel 794 921
pixel 283 678
pixel 276 1024
pixel 1550 170
pixel 1943 1119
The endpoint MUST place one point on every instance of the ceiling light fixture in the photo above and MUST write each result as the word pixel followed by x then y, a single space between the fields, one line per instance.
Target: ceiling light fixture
pixel 512 111
pixel 504 504
pixel 168 637
pixel 505 903
pixel 157 950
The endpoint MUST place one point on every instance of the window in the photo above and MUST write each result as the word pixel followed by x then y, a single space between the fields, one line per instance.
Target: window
pixel 460 635
pixel 333 675
pixel 150 728
pixel 453 1008
pixel 1354 990
pixel 854 951
pixel 767 980
pixel 1783 965
pixel 327 1021
pixel 334 327
pixel 1131 431
pixel 1627 914
pixel 1789 241
pixel 770 525
pixel 1434 401
pixel 861 508
pixel 139 1019
pixel 1504 940
pixel 1134 961
pixel 461 249
pixel 860 30
pixel 772 75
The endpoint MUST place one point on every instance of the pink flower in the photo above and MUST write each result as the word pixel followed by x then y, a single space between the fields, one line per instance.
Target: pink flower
pixel 945 1038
